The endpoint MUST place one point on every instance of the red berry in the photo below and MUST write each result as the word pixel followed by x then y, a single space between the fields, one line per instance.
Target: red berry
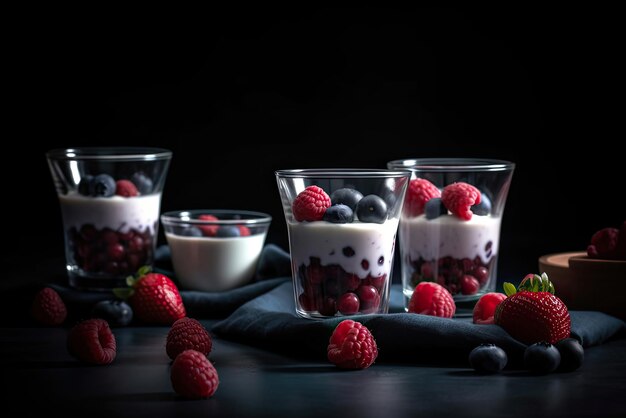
pixel 485 308
pixel 306 302
pixel 348 303
pixel 193 376
pixel 621 243
pixel 244 231
pixel 482 274
pixel 187 334
pixel 116 252
pixel 419 192
pixel 126 188
pixel 369 297
pixel 310 204
pixel 431 298
pixel 48 307
pixel 604 244
pixel 155 299
pixel 352 346
pixel 459 198
pixel 92 341
pixel 208 230
pixel 469 285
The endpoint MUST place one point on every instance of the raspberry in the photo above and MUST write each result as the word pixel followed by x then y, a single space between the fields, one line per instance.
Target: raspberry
pixel 48 307
pixel 310 204
pixel 193 376
pixel 187 334
pixel 433 299
pixel 126 188
pixel 208 230
pixel 459 198
pixel 604 244
pixel 485 308
pixel 352 346
pixel 244 231
pixel 92 341
pixel 419 192
pixel 621 243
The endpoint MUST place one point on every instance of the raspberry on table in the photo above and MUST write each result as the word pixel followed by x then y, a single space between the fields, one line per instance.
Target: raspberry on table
pixel 485 308
pixel 430 298
pixel 186 334
pixel 48 308
pixel 92 341
pixel 310 204
pixel 459 198
pixel 193 376
pixel 352 346
pixel 419 192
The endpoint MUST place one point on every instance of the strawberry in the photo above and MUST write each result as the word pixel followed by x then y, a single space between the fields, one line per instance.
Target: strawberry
pixel 154 297
pixel 532 313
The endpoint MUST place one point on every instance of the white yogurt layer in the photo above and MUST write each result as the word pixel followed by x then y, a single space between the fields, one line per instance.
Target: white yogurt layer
pixel 116 212
pixel 327 241
pixel 215 264
pixel 449 236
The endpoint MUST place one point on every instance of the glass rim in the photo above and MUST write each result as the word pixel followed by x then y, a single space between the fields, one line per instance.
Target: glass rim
pixel 180 217
pixel 453 164
pixel 342 173
pixel 110 153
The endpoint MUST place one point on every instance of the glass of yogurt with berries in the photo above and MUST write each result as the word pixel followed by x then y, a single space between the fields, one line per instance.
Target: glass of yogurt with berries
pixel 110 201
pixel 342 226
pixel 450 225
pixel 215 250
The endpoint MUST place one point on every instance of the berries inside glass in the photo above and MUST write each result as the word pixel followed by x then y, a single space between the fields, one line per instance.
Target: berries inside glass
pixel 110 202
pixel 450 225
pixel 342 228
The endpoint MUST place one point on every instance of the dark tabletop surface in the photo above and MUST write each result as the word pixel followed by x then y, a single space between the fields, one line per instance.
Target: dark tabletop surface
pixel 38 375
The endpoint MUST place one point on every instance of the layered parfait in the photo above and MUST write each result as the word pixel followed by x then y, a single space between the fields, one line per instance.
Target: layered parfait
pixel 111 225
pixel 342 248
pixel 448 236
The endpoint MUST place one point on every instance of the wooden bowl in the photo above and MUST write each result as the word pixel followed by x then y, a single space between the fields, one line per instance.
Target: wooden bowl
pixel 585 283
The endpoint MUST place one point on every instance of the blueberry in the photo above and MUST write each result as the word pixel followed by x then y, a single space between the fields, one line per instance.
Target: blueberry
pixel 339 214
pixel 572 354
pixel 84 186
pixel 228 231
pixel 372 208
pixel 390 200
pixel 143 182
pixel 484 207
pixel 541 358
pixel 115 312
pixel 102 185
pixel 346 196
pixel 192 231
pixel 434 208
pixel 488 358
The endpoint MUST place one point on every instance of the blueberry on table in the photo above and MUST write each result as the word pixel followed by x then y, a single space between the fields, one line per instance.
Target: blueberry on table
pixel 346 196
pixel 339 214
pixel 84 186
pixel 372 208
pixel 115 312
pixel 142 182
pixel 102 185
pixel 228 231
pixel 572 354
pixel 541 358
pixel 434 208
pixel 488 358
pixel 483 208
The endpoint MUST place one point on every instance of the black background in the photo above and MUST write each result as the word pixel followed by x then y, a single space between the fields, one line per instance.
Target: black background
pixel 342 88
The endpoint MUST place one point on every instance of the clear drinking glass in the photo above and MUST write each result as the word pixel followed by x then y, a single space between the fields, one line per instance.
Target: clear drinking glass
pixel 341 255
pixel 110 200
pixel 454 248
